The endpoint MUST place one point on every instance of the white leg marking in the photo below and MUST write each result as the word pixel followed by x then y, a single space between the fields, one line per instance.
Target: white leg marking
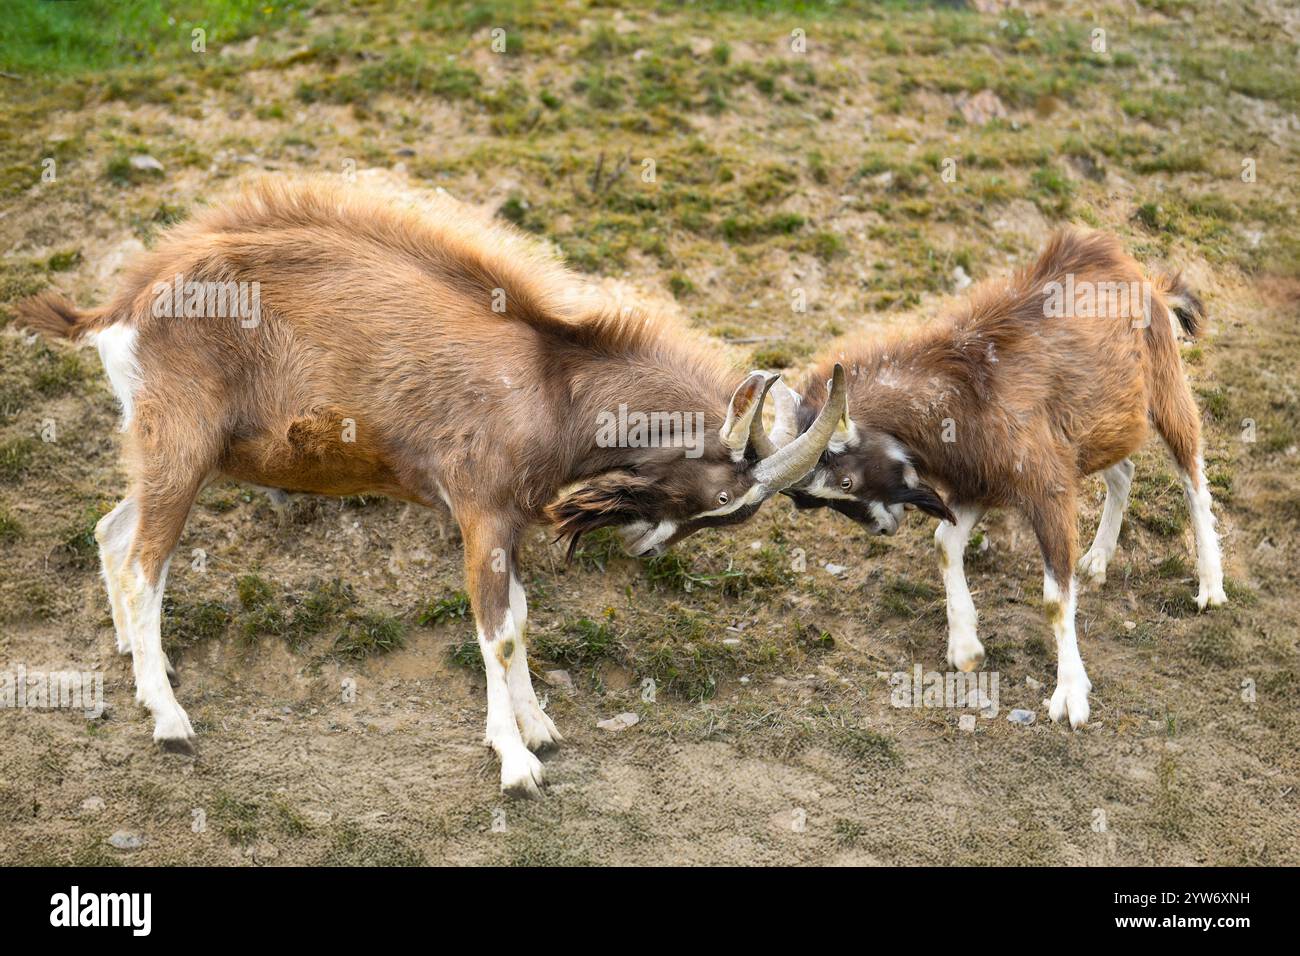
pixel 521 772
pixel 1209 564
pixel 965 652
pixel 117 353
pixel 1070 699
pixel 535 727
pixel 114 533
pixel 143 606
pixel 1119 478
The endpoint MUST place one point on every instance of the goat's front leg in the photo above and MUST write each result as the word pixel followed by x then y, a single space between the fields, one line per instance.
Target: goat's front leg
pixel 535 727
pixel 489 546
pixel 1056 525
pixel 965 652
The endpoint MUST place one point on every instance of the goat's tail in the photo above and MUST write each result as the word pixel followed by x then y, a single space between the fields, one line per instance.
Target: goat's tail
pixel 54 316
pixel 1182 301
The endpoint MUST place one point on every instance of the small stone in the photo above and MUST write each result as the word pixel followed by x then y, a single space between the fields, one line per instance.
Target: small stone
pixel 967 723
pixel 126 840
pixel 146 164
pixel 621 722
pixel 1034 685
pixel 92 805
pixel 560 679
pixel 1130 625
pixel 960 279
pixel 1019 716
pixel 731 641
pixel 835 568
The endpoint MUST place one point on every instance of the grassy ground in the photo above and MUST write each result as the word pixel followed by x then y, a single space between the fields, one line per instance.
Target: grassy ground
pixel 689 153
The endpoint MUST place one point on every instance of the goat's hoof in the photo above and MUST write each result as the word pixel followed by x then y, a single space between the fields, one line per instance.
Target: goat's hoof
pixel 1070 701
pixel 521 774
pixel 966 656
pixel 182 746
pixel 1093 566
pixel 538 730
pixel 1211 597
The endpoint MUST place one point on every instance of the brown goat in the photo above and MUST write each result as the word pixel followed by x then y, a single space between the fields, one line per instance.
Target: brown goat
pixel 313 338
pixel 1037 382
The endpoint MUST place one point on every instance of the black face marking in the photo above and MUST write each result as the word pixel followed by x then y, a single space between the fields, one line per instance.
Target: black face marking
pixel 859 511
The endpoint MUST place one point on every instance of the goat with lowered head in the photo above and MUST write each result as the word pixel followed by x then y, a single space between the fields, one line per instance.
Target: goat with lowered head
pixel 1035 383
pixel 426 355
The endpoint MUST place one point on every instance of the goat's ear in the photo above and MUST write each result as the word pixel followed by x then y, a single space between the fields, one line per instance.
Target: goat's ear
pixel 927 499
pixel 614 498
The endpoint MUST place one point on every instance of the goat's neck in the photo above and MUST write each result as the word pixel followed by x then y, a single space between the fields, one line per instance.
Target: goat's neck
pixel 665 381
pixel 909 391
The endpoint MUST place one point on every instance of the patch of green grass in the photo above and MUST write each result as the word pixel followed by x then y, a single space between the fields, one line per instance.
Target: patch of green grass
pixel 120 172
pixel 1215 645
pixel 16 456
pixel 64 260
pixel 79 549
pixel 71 38
pixel 261 614
pixel 57 372
pixel 866 747
pixel 580 642
pixel 189 623
pixel 10 529
pixel 1169 809
pixel 370 633
pixel 237 819
pixel 351 845
pixel 454 606
pixel 904 597
pixel 746 229
pixel 675 570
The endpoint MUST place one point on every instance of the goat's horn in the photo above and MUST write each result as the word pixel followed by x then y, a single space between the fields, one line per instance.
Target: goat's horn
pixel 787 465
pixel 763 446
pixel 784 428
pixel 746 406
pixel 786 405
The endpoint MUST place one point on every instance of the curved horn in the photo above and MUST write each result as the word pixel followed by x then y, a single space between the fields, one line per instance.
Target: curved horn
pixel 746 405
pixel 785 402
pixel 789 464
pixel 786 425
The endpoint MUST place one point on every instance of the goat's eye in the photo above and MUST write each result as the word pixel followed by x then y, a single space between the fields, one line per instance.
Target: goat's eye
pixel 723 497
pixel 846 483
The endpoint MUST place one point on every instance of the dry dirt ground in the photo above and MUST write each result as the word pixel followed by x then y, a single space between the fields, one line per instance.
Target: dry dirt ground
pixel 323 649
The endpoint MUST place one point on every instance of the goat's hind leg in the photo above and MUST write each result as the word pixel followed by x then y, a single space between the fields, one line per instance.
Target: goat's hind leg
pixel 1119 479
pixel 1055 523
pixel 114 533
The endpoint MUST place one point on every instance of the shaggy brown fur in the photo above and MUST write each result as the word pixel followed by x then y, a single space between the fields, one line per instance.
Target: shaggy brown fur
pixel 1005 405
pixel 428 355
